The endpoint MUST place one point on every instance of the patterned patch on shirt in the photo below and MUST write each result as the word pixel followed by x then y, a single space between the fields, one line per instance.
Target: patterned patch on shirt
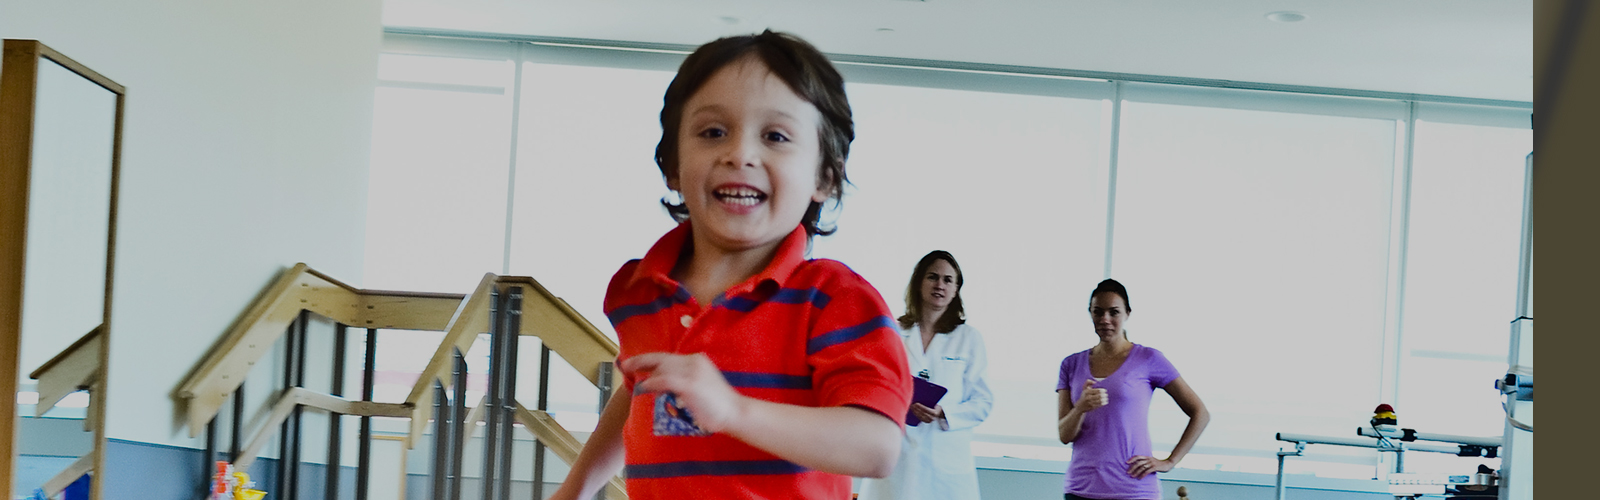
pixel 672 419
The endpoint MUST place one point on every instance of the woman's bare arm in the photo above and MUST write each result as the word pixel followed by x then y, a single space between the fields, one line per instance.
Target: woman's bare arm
pixel 1191 405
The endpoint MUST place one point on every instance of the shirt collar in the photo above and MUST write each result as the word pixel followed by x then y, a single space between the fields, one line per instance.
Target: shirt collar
pixel 663 256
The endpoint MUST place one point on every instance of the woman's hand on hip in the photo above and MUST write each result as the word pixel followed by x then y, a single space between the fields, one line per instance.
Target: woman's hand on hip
pixel 1141 465
pixel 1092 397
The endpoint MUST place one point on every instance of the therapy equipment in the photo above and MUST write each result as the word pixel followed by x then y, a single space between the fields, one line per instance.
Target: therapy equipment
pixel 1384 436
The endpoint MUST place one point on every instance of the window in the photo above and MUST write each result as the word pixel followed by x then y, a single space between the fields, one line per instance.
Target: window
pixel 1461 280
pixel 436 204
pixel 1014 187
pixel 1258 232
pixel 1254 248
pixel 587 198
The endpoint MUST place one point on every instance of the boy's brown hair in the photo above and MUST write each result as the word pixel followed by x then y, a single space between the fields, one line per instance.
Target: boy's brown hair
pixel 800 66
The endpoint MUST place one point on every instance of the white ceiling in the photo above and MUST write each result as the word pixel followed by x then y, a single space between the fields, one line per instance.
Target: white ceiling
pixel 1462 48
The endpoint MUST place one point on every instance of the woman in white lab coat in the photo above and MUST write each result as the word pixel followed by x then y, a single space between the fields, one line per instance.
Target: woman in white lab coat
pixel 936 454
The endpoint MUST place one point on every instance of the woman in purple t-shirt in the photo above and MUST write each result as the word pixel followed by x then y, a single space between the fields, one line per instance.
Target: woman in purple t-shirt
pixel 1104 408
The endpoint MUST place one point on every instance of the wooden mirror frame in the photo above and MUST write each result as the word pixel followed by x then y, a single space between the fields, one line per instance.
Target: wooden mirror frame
pixel 18 91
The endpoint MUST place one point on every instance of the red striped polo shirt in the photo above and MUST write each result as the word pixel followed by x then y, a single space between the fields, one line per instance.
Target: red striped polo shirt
pixel 801 332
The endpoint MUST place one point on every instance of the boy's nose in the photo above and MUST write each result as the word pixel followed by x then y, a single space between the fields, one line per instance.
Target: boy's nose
pixel 743 152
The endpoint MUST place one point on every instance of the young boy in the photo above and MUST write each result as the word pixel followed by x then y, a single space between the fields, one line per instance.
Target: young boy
pixel 750 371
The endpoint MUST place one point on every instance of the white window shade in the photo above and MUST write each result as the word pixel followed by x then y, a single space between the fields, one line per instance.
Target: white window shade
pixel 436 203
pixel 1254 246
pixel 1461 278
pixel 1014 187
pixel 588 192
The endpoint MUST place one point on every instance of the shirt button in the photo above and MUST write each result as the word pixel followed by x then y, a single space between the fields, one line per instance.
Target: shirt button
pixel 686 320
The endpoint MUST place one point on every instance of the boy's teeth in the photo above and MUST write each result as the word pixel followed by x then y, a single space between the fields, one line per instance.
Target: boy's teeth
pixel 740 196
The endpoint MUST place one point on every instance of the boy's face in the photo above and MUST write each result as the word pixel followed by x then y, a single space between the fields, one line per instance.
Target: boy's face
pixel 748 158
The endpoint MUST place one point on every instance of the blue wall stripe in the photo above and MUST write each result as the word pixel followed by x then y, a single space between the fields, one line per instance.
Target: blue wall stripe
pixel 847 334
pixel 719 468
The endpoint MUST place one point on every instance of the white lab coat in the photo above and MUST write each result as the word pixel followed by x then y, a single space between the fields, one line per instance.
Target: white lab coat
pixel 936 458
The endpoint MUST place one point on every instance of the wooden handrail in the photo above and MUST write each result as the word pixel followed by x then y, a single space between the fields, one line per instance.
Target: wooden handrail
pixel 559 326
pixel 300 396
pixel 70 370
pixel 470 319
pixel 301 288
pixel 69 475
pixel 563 444
pixel 462 318
pixel 544 315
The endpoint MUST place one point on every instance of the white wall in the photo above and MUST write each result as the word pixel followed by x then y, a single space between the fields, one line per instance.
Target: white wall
pixel 245 148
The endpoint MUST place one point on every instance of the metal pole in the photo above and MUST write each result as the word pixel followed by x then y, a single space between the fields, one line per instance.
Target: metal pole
pixel 543 405
pixel 508 389
pixel 1280 476
pixel 440 476
pixel 1399 458
pixel 1111 171
pixel 607 372
pixel 491 435
pixel 364 451
pixel 287 431
pixel 209 465
pixel 299 381
pixel 236 425
pixel 331 491
pixel 505 313
pixel 457 424
pixel 1299 449
pixel 1512 458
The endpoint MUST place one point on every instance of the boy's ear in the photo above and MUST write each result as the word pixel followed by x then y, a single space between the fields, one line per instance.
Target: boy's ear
pixel 824 184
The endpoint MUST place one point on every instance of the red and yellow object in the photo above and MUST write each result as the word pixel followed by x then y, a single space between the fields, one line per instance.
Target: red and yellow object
pixel 1383 415
pixel 230 485
pixel 241 489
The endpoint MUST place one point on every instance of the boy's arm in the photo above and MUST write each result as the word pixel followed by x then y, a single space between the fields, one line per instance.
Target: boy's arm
pixel 601 457
pixel 838 439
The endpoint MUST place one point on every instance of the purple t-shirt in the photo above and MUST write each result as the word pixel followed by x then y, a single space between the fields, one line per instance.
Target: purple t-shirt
pixel 1112 434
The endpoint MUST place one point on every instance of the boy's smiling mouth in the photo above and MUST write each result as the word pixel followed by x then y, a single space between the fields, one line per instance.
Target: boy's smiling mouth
pixel 739 195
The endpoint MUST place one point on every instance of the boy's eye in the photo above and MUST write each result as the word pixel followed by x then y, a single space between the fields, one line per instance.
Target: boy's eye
pixel 776 137
pixel 713 133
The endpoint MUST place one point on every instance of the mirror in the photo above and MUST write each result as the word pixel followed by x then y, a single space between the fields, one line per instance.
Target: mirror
pixel 69 213
pixel 66 120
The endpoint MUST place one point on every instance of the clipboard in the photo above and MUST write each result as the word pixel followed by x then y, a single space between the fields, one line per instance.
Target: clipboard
pixel 925 392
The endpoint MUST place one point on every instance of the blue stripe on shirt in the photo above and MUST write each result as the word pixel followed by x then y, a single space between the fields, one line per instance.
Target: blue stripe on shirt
pixel 753 380
pixel 712 468
pixel 748 302
pixel 847 334
pixel 756 380
pixel 620 314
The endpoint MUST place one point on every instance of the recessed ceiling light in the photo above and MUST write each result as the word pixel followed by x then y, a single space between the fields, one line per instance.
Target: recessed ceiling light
pixel 1285 16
